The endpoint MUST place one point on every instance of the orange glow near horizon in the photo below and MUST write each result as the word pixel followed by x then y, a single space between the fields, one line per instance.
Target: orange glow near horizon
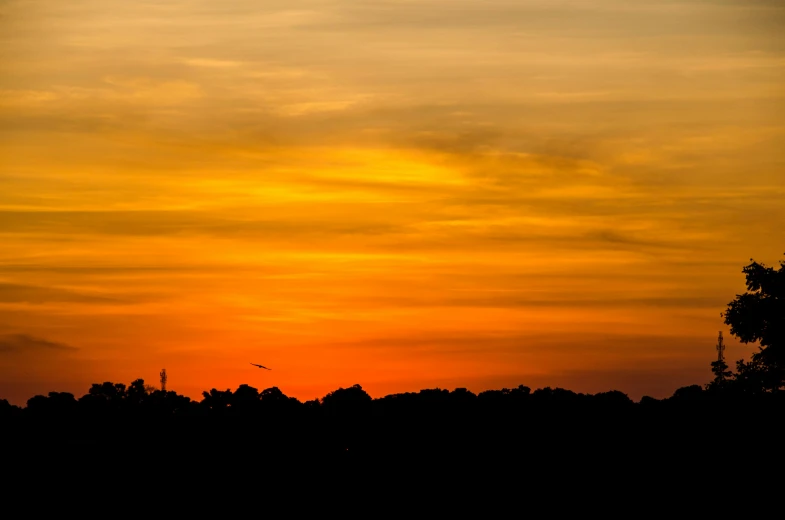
pixel 402 195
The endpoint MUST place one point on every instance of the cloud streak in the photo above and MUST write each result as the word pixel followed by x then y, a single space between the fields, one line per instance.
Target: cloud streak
pixel 25 344
pixel 36 294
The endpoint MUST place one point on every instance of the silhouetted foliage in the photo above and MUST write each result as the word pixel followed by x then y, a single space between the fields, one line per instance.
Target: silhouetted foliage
pixel 612 398
pixel 347 402
pixel 7 410
pixel 509 428
pixel 136 392
pixel 759 316
pixel 690 393
pixel 56 403
pixel 721 373
pixel 217 401
pixel 648 401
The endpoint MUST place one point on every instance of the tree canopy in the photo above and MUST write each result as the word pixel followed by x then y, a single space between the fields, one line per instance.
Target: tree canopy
pixel 759 316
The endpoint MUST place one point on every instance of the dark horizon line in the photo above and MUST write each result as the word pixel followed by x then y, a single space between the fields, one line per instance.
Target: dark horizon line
pixel 521 388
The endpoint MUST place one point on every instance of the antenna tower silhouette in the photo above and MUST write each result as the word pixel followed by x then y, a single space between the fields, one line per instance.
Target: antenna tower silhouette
pixel 163 380
pixel 720 349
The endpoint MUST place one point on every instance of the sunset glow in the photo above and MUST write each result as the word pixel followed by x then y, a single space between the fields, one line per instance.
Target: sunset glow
pixel 399 194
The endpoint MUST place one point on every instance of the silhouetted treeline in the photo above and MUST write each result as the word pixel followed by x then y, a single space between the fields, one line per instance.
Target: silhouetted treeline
pixel 434 442
pixel 118 401
pixel 348 421
pixel 495 441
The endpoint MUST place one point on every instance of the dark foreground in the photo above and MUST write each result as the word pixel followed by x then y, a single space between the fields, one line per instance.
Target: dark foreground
pixel 508 439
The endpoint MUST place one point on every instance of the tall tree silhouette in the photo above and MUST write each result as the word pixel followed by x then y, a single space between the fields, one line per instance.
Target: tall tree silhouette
pixel 759 316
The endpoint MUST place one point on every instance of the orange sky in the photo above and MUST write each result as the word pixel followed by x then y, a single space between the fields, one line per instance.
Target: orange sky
pixel 398 194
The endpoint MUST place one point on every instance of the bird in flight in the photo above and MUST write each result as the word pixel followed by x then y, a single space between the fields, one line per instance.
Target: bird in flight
pixel 261 366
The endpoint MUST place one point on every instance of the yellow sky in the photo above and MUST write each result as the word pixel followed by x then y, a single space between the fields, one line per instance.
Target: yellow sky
pixel 400 194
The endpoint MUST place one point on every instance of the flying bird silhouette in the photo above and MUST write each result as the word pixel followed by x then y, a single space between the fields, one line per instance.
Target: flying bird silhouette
pixel 261 366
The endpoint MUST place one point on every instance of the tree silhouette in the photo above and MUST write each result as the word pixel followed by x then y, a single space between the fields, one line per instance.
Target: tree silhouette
pixel 136 392
pixel 7 410
pixel 721 374
pixel 759 316
pixel 691 393
pixel 245 399
pixel 345 402
pixel 56 403
pixel 217 401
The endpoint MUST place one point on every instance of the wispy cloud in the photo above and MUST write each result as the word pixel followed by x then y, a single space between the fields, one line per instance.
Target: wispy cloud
pixel 22 343
pixel 10 293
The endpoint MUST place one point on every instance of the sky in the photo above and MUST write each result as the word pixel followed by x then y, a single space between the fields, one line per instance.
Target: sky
pixel 393 193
